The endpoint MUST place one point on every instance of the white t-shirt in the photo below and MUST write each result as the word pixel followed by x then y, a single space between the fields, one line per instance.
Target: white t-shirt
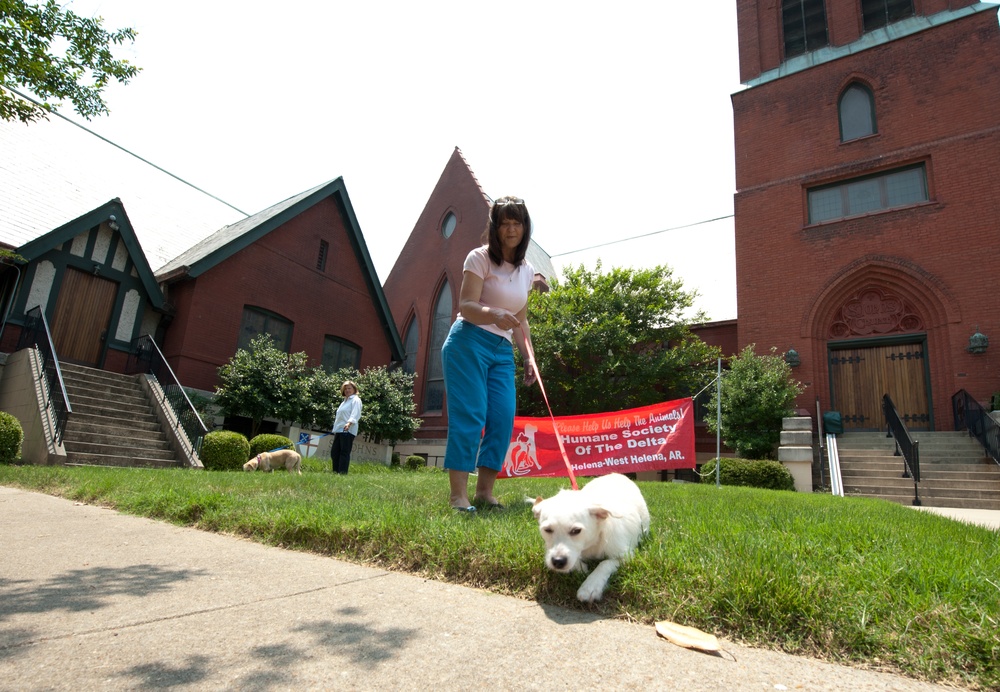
pixel 505 287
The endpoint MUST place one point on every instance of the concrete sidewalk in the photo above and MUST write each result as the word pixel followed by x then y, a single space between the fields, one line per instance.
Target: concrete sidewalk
pixel 988 518
pixel 95 600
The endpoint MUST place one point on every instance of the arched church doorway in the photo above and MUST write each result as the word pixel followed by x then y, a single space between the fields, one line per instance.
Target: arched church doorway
pixel 877 345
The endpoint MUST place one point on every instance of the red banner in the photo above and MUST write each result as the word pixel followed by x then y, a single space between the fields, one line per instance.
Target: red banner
pixel 639 439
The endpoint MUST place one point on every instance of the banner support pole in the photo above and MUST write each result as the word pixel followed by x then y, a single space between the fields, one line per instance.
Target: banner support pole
pixel 718 423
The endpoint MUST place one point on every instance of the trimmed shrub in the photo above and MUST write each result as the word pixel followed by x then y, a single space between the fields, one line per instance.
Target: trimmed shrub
pixel 395 459
pixel 415 461
pixel 224 450
pixel 770 475
pixel 11 437
pixel 266 442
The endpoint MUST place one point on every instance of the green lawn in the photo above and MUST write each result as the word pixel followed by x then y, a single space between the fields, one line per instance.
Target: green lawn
pixel 855 581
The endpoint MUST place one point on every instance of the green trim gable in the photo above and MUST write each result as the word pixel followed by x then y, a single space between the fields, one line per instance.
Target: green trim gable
pixel 68 231
pixel 229 240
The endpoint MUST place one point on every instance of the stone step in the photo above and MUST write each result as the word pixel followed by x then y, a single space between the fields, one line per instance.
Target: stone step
pixel 78 447
pixel 888 466
pixel 113 423
pixel 109 426
pixel 86 459
pixel 151 442
pixel 78 390
pixel 954 470
pixel 113 409
pixel 898 481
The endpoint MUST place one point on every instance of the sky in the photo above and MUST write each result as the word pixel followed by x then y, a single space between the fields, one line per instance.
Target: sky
pixel 612 122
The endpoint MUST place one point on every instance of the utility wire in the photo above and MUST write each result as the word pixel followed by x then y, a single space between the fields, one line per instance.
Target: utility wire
pixel 130 153
pixel 218 199
pixel 644 235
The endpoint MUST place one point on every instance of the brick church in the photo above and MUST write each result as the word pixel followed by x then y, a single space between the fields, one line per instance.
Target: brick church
pixel 867 209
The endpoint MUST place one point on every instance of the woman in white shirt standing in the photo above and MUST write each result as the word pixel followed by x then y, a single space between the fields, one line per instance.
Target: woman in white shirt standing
pixel 345 427
pixel 478 355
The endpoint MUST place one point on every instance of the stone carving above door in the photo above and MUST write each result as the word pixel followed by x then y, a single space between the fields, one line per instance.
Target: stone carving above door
pixel 874 311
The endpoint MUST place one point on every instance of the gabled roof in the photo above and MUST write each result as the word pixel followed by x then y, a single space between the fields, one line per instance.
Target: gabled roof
pixel 52 171
pixel 65 233
pixel 230 239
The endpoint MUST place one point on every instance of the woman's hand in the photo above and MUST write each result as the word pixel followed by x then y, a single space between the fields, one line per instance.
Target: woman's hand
pixel 529 374
pixel 504 319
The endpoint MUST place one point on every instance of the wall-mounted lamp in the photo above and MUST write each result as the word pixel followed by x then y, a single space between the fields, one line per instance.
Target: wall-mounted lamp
pixel 792 358
pixel 978 342
pixel 97 269
pixel 113 223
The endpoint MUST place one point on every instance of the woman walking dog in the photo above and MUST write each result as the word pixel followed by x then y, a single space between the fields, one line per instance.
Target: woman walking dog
pixel 478 355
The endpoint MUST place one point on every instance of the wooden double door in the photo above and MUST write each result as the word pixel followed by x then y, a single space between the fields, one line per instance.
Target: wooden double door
pixel 82 317
pixel 860 376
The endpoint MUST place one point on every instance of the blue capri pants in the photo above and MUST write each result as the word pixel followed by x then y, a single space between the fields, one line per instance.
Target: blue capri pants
pixel 479 381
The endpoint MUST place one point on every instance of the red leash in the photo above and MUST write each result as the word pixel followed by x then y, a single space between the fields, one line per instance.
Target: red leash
pixel 538 376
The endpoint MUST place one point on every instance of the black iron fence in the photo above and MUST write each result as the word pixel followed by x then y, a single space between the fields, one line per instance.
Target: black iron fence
pixel 35 334
pixel 972 416
pixel 145 357
pixel 906 446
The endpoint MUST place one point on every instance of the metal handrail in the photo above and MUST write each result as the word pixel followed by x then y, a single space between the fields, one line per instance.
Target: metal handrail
pixel 146 357
pixel 35 333
pixel 971 415
pixel 906 446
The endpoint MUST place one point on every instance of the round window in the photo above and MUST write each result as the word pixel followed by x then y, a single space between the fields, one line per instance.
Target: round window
pixel 448 225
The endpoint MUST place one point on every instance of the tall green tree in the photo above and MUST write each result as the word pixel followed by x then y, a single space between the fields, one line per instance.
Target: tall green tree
pixel 756 392
pixel 56 55
pixel 608 341
pixel 263 381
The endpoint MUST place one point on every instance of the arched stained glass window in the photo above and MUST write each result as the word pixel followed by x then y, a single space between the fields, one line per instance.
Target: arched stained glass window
pixel 434 382
pixel 410 344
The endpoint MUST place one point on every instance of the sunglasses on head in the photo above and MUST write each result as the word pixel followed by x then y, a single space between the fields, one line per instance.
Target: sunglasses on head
pixel 508 200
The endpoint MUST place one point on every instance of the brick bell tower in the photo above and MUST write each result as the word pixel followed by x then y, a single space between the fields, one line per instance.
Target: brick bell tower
pixel 868 200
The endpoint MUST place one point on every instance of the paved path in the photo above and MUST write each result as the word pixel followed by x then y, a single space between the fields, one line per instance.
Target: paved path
pixel 91 599
pixel 988 518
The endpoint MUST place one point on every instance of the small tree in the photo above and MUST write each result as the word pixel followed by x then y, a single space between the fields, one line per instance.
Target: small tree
pixel 263 381
pixel 757 392
pixel 56 54
pixel 389 410
pixel 614 339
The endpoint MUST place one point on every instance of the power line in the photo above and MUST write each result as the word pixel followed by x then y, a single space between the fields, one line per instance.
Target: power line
pixel 644 235
pixel 130 153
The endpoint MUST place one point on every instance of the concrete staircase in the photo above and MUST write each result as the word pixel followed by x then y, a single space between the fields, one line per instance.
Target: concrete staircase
pixel 113 422
pixel 954 471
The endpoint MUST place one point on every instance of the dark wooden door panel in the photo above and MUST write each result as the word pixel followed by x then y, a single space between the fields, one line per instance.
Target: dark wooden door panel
pixel 82 316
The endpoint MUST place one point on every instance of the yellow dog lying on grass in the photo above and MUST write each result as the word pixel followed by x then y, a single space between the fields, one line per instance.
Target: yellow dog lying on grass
pixel 269 461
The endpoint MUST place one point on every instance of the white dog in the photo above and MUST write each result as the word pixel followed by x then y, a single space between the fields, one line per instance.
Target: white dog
pixel 602 521
pixel 269 461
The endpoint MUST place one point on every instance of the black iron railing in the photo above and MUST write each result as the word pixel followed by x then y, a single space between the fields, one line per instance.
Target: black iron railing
pixel 906 446
pixel 35 334
pixel 145 357
pixel 972 416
